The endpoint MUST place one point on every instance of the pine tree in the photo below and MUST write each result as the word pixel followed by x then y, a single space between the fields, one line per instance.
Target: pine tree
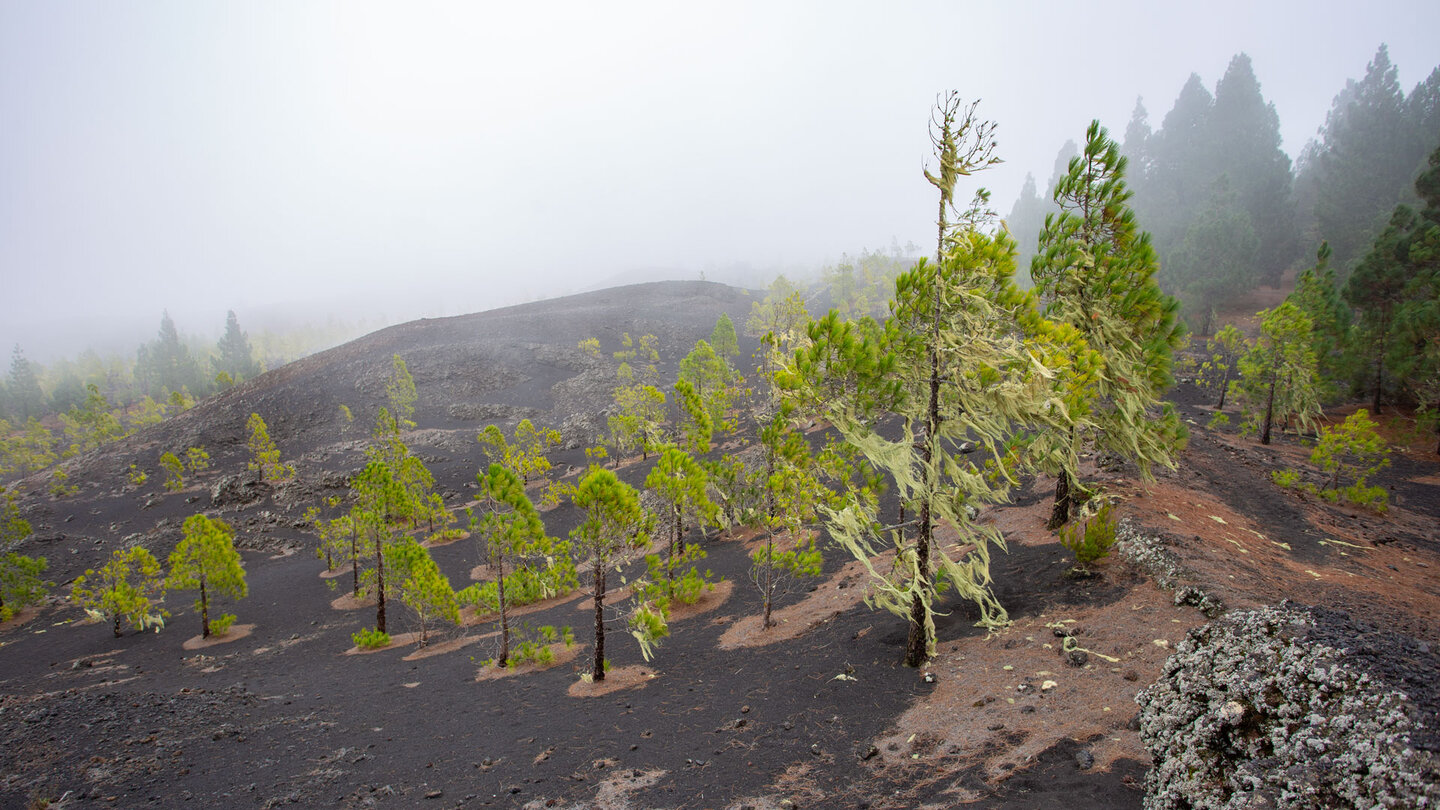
pixel 22 388
pixel 20 582
pixel 423 587
pixel 1248 154
pixel 264 455
pixel 91 425
pixel 166 365
pixel 1215 261
pixel 129 588
pixel 681 485
pixel 174 472
pixel 723 339
pixel 713 381
pixel 234 357
pixel 507 529
pixel 792 496
pixel 206 561
pixel 378 496
pixel 1377 290
pixel 400 391
pixel 1366 160
pixel 959 359
pixel 1317 295
pixel 612 523
pixel 1096 269
pixel 1277 373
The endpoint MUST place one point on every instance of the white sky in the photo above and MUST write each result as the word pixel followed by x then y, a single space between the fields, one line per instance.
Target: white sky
pixel 432 158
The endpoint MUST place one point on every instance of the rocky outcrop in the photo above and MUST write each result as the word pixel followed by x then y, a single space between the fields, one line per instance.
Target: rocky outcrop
pixel 1293 707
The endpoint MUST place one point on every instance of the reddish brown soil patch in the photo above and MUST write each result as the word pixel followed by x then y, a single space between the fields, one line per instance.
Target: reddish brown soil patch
pixel 433 649
pixel 614 597
pixel 24 615
pixel 235 633
pixel 349 602
pixel 841 591
pixel 331 574
pixel 709 600
pixel 469 617
pixel 563 655
pixel 441 543
pixel 631 677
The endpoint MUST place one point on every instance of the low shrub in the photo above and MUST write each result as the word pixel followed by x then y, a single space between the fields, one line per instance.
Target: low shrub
pixel 221 626
pixel 1090 539
pixel 370 639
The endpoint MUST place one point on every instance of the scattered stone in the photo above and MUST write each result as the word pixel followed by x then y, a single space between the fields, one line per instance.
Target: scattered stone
pixel 869 753
pixel 434 794
pixel 1084 760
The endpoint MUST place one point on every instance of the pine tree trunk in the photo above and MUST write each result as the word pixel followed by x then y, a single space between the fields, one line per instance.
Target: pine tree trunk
pixel 117 625
pixel 670 556
pixel 1224 387
pixel 1269 412
pixel 504 620
pixel 769 577
pixel 379 585
pixel 1379 381
pixel 355 558
pixel 1064 501
pixel 204 610
pixel 597 671
pixel 915 644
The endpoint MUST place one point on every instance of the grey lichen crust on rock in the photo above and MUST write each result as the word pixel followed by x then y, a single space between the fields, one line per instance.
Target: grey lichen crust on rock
pixel 1293 707
pixel 1147 551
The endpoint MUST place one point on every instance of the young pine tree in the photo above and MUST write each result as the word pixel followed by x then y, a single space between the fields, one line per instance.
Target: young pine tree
pixel 128 588
pixel 612 523
pixel 507 528
pixel 264 455
pixel 423 588
pixel 206 561
pixel 962 358
pixel 681 484
pixel 1096 271
pixel 1277 373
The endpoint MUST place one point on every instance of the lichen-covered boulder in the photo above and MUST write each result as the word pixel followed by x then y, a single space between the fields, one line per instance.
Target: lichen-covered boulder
pixel 1293 707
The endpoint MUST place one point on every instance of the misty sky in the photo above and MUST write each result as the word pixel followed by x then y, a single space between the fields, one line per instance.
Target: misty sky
pixel 426 158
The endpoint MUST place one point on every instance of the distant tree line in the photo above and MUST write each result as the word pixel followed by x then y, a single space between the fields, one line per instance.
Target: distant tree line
pixel 1229 211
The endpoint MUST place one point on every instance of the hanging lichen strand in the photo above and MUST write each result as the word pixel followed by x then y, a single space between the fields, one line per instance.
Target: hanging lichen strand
pixel 966 358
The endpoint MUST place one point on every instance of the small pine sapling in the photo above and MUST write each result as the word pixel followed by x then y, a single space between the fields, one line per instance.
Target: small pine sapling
pixel 371 639
pixel 1090 539
pixel 1352 450
pixel 60 486
pixel 21 583
pixel 196 460
pixel 264 455
pixel 174 472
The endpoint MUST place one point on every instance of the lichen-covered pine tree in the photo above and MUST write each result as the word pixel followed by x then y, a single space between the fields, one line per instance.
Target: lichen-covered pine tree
pixel 1095 270
pixel 963 361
